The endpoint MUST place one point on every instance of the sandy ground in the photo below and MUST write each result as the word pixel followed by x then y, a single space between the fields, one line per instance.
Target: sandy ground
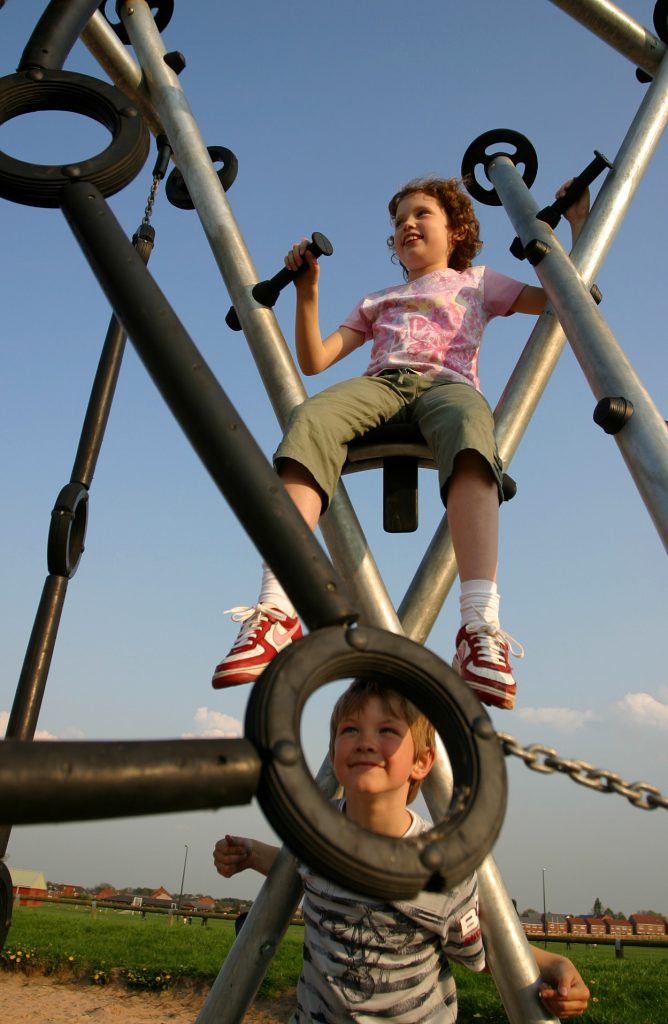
pixel 39 1000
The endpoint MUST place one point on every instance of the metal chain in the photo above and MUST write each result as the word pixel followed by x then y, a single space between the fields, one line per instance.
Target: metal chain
pixel 547 760
pixel 159 171
pixel 151 200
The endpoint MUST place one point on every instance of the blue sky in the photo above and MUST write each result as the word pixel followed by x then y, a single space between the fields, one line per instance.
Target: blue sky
pixel 329 110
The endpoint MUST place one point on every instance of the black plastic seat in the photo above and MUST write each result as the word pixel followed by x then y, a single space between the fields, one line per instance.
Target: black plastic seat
pixel 399 449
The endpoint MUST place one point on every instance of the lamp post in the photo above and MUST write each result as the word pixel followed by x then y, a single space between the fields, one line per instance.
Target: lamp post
pixel 544 913
pixel 183 876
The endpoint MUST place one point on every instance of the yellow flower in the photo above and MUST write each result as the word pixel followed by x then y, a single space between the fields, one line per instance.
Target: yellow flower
pixel 595 999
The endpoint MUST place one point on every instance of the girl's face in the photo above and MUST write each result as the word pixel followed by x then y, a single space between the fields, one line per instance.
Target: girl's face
pixel 374 752
pixel 423 238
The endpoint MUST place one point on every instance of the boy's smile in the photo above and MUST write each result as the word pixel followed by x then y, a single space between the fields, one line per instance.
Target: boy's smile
pixel 374 754
pixel 423 238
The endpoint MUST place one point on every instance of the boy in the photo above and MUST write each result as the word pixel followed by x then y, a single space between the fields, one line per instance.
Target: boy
pixel 366 959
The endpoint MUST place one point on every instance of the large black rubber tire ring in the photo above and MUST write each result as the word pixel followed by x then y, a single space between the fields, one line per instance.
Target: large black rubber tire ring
pixel 111 170
pixel 312 828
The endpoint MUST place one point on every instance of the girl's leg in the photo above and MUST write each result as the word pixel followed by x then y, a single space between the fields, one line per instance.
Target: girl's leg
pixel 317 437
pixel 473 517
pixel 458 425
pixel 300 484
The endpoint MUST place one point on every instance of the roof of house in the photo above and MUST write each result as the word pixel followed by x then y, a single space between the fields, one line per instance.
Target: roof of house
pixel 27 878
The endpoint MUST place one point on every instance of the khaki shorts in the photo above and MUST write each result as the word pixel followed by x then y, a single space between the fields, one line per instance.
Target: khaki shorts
pixel 452 418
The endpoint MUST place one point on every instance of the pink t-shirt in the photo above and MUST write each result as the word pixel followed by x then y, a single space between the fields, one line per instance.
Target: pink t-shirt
pixel 434 324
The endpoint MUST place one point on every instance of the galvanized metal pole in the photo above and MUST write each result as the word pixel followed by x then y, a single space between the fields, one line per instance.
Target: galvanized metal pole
pixel 643 439
pixel 618 29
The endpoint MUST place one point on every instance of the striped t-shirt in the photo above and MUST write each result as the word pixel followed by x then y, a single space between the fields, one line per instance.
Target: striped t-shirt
pixel 369 961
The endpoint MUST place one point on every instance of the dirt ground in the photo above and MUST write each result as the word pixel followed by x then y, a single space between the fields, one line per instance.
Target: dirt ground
pixel 38 1000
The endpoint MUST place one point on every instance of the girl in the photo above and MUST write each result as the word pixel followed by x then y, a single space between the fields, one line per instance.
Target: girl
pixel 426 335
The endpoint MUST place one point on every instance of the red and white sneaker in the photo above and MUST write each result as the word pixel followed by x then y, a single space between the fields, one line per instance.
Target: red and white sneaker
pixel 264 632
pixel 482 660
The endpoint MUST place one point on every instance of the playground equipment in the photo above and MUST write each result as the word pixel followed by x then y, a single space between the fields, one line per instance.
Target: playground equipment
pixel 265 758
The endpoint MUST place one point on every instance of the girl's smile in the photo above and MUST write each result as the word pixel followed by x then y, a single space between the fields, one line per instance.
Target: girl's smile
pixel 423 239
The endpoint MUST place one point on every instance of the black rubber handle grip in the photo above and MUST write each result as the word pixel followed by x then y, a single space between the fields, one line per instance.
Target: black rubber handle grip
pixel 552 214
pixel 267 292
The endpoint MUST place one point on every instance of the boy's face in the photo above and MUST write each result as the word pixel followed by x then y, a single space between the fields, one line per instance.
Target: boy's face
pixel 374 752
pixel 423 238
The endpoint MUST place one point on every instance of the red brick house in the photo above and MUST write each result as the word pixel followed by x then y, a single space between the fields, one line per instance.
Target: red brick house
pixel 576 925
pixel 649 925
pixel 556 924
pixel 596 926
pixel 618 927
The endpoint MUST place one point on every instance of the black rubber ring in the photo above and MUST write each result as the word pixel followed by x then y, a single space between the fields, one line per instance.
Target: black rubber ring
pixel 312 828
pixel 67 531
pixel 111 170
pixel 522 152
pixel 176 190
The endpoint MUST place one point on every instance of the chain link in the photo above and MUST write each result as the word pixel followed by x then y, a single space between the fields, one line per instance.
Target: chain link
pixel 151 200
pixel 545 759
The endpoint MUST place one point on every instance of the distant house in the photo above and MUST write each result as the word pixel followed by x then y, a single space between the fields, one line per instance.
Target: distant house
pixel 618 927
pixel 532 923
pixel 556 924
pixel 596 926
pixel 64 891
pixel 576 925
pixel 26 883
pixel 162 894
pixel 649 925
pixel 106 894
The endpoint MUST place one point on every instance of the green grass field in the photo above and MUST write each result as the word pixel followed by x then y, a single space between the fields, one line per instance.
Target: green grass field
pixel 147 953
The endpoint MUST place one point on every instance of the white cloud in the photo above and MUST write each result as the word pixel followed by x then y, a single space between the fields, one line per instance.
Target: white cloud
pixel 40 734
pixel 214 725
pixel 643 709
pixel 563 719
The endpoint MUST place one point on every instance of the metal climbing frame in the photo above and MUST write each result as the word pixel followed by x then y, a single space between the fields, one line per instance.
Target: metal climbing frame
pixel 154 88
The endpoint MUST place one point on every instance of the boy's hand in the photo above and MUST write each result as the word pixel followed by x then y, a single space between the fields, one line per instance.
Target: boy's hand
pixel 577 212
pixel 295 258
pixel 232 855
pixel 563 991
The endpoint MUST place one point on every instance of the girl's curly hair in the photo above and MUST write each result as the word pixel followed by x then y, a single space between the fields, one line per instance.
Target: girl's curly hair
pixel 456 204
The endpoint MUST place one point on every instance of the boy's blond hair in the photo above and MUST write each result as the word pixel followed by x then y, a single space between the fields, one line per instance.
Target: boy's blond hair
pixel 356 697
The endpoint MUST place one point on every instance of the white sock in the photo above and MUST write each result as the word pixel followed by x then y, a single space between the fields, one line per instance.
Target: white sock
pixel 479 603
pixel 271 592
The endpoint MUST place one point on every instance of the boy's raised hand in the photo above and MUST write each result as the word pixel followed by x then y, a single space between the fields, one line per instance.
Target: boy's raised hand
pixel 232 855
